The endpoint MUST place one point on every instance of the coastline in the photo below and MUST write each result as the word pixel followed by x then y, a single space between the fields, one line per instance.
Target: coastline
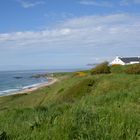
pixel 29 90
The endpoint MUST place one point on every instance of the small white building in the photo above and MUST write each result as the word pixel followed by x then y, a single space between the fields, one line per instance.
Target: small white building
pixel 125 60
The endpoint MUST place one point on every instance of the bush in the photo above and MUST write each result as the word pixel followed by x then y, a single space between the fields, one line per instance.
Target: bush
pixel 102 68
pixel 133 69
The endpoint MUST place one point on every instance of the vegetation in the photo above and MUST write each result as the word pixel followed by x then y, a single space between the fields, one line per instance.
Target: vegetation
pixel 90 107
pixel 81 73
pixel 117 69
pixel 133 69
pixel 102 68
pixel 128 69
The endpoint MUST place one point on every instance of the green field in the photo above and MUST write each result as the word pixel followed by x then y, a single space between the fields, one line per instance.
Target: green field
pixel 90 107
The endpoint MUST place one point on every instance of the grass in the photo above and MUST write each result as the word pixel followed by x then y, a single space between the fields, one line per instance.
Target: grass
pixel 91 107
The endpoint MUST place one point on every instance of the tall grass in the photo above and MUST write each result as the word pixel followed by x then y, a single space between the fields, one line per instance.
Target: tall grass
pixel 133 69
pixel 98 107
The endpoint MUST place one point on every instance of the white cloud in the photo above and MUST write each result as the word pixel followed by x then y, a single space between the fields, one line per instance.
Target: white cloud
pixel 29 4
pixel 96 3
pixel 93 35
pixel 137 1
pixel 107 3
pixel 128 2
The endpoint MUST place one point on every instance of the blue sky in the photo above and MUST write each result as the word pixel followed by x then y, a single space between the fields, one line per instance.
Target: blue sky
pixel 39 34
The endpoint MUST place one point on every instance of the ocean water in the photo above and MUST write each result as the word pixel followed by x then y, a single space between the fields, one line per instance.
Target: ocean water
pixel 14 81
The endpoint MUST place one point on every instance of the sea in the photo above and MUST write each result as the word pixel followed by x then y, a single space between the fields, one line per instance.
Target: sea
pixel 14 81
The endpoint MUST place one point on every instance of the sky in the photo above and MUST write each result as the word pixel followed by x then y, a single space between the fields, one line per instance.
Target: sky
pixel 49 34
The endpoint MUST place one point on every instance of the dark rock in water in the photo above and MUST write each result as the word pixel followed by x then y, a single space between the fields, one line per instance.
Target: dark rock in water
pixel 18 77
pixel 37 76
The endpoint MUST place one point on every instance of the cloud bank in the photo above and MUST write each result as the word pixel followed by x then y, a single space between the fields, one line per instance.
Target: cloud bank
pixel 96 31
pixel 77 41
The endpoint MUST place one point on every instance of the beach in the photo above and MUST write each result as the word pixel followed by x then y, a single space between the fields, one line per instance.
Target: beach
pixel 29 90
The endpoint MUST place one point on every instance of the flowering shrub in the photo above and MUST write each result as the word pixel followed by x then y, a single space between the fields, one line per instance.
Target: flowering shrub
pixel 80 74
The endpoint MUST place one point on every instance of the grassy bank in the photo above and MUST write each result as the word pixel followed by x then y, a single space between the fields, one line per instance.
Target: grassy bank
pixel 87 107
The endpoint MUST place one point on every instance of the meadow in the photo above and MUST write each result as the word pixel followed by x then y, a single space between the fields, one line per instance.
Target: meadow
pixel 80 106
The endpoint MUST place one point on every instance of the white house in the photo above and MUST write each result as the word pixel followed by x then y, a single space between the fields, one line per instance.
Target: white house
pixel 125 60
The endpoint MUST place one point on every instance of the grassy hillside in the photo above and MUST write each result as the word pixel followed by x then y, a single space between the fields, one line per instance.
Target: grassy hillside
pixel 90 107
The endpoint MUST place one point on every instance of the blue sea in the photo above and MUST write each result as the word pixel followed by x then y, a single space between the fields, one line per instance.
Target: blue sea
pixel 14 81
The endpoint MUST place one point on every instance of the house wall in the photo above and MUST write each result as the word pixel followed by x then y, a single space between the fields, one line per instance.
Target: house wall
pixel 117 61
pixel 134 62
